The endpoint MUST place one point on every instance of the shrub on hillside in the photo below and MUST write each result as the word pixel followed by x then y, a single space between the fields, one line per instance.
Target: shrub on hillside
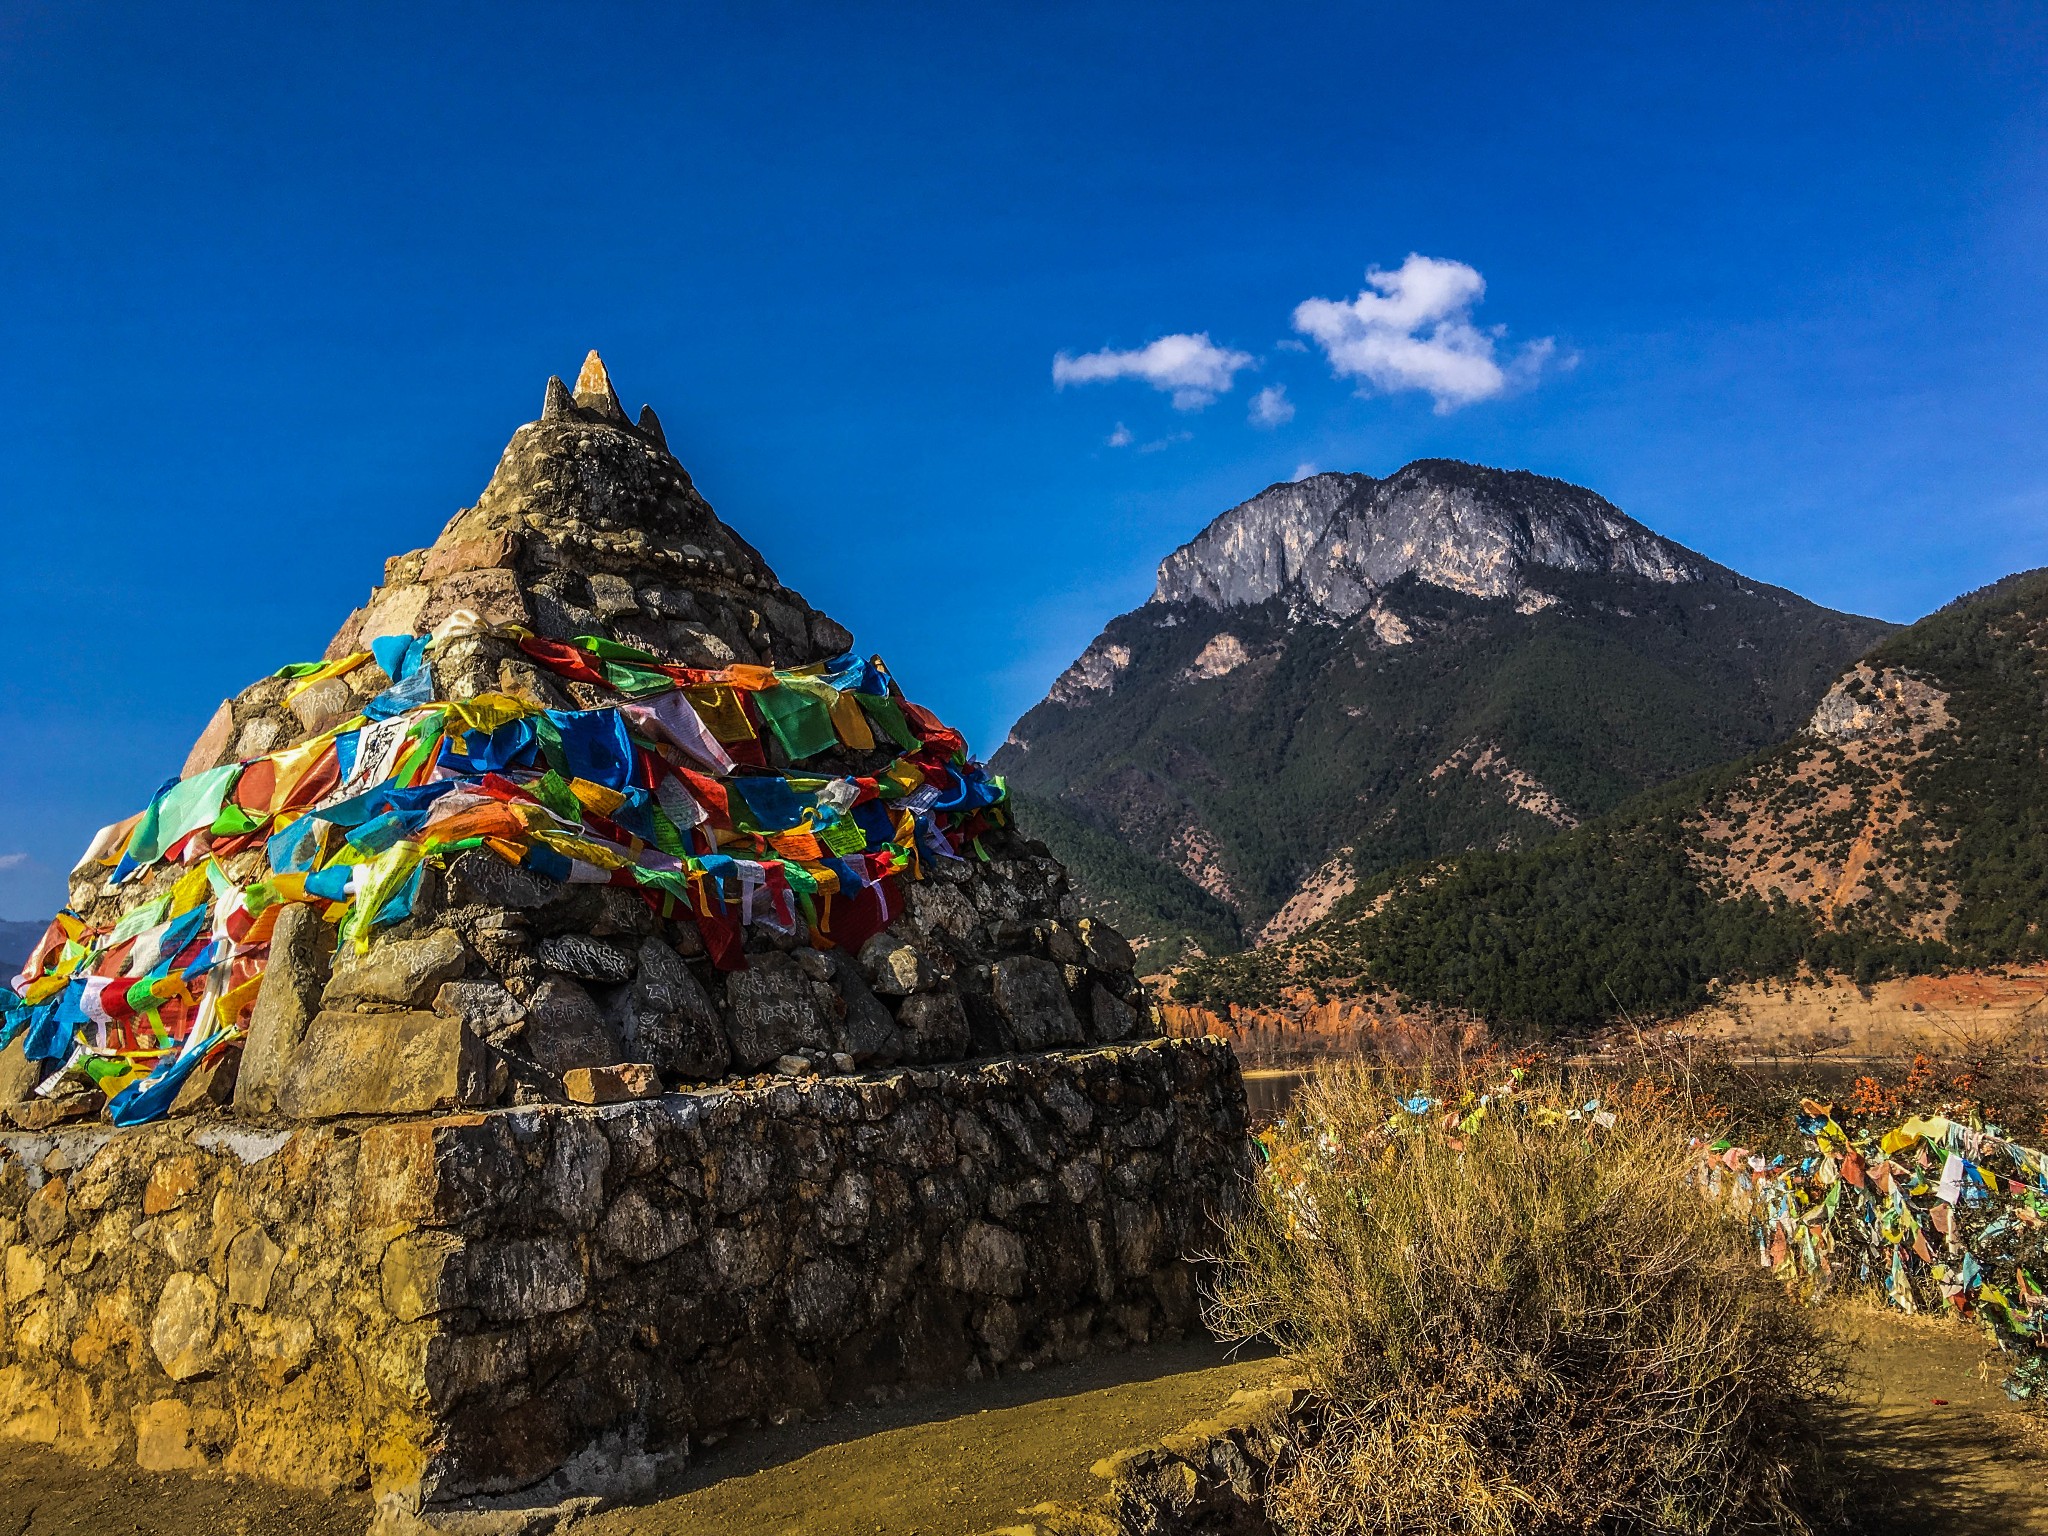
pixel 1518 1322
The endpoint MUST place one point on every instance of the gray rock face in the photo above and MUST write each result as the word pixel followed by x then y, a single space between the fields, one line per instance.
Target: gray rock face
pixel 1032 995
pixel 775 1007
pixel 1330 541
pixel 585 958
pixel 667 1018
pixel 565 1030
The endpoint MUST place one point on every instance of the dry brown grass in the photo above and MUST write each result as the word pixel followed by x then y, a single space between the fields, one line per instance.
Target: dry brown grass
pixel 1520 1324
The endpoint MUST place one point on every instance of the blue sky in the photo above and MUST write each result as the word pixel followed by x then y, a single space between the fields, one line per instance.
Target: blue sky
pixel 279 282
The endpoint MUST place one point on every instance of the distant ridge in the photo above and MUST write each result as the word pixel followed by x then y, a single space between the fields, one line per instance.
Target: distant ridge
pixel 16 940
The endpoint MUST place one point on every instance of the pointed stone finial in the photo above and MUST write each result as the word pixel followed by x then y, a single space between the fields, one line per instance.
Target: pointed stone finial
pixel 556 405
pixel 650 427
pixel 594 390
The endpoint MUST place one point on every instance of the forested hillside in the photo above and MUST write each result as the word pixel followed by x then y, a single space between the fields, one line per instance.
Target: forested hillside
pixel 1906 828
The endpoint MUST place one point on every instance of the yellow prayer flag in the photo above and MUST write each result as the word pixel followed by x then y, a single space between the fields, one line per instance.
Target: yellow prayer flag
pixel 339 668
pixel 850 721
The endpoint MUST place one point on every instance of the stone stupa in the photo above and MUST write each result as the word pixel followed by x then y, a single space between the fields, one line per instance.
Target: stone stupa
pixel 590 529
pixel 589 1008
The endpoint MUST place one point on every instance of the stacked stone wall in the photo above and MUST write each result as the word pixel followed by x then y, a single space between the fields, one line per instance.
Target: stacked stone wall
pixel 527 1303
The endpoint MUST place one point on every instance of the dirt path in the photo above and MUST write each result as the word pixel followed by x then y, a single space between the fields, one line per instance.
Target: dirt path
pixel 1934 1444
pixel 948 1463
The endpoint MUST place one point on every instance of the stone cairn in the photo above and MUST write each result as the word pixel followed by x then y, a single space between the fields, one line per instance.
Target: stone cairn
pixel 586 1012
pixel 505 984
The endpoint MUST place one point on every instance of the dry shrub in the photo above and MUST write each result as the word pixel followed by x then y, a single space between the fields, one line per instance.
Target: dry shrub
pixel 1519 1324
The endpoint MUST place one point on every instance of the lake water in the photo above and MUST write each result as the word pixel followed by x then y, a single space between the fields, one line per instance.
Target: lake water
pixel 1267 1093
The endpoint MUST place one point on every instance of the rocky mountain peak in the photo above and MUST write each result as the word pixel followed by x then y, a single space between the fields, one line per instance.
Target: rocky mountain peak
pixel 1331 541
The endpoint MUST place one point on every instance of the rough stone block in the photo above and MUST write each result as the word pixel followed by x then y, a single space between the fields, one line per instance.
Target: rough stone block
pixel 181 1335
pixel 213 741
pixel 485 1006
pixel 286 1001
pixel 211 1084
pixel 1112 1018
pixel 383 1064
pixel 405 973
pixel 486 880
pixel 775 1008
pixel 612 595
pixel 493 595
pixel 611 1085
pixel 867 1030
pixel 18 1075
pixel 587 959
pixel 164 1438
pixel 392 611
pixel 987 1260
pixel 1107 949
pixel 252 1264
pixel 326 703
pixel 477 553
pixel 894 967
pixel 39 1114
pixel 564 1029
pixel 935 1026
pixel 1032 995
pixel 667 1018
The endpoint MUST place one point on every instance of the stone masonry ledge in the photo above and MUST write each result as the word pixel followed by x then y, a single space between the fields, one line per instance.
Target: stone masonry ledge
pixel 476 1314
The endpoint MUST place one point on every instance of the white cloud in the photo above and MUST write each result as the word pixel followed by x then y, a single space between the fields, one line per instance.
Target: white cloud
pixel 12 860
pixel 1158 445
pixel 1120 438
pixel 1303 471
pixel 1289 344
pixel 1412 329
pixel 1193 369
pixel 1271 407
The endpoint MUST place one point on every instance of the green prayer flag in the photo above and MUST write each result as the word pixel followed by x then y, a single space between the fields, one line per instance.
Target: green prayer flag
pixel 612 650
pixel 637 682
pixel 801 721
pixel 888 715
pixel 182 809
pixel 233 821
pixel 552 791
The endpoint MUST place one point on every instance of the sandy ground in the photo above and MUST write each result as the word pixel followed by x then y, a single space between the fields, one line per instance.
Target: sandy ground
pixel 952 1463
